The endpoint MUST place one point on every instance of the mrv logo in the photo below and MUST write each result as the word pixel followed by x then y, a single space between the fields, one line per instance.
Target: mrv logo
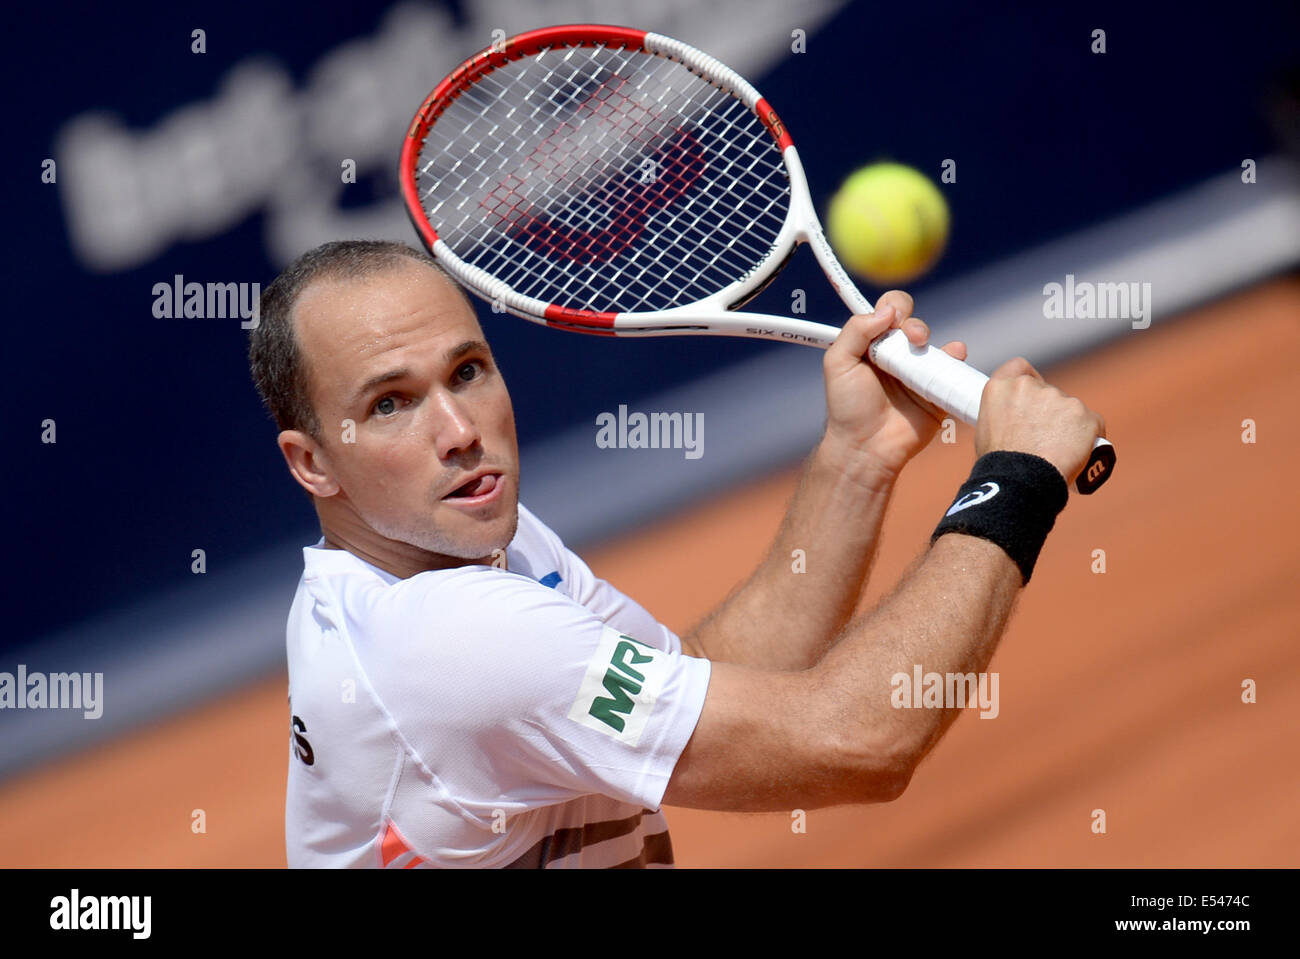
pixel 651 431
pixel 620 687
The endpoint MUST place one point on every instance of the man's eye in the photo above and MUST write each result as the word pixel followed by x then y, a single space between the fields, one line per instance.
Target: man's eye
pixel 386 405
pixel 468 371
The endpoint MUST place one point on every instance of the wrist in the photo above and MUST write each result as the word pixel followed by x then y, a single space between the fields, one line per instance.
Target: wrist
pixel 1012 500
pixel 861 467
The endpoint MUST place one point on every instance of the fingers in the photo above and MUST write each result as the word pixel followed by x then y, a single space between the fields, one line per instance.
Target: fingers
pixel 916 331
pixel 956 349
pixel 1016 366
pixel 893 311
pixel 900 301
pixel 914 328
pixel 858 333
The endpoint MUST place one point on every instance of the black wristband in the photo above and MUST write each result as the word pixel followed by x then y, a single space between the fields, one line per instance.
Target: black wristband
pixel 1010 499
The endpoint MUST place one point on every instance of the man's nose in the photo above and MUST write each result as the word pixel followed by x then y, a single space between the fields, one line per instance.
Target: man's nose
pixel 455 430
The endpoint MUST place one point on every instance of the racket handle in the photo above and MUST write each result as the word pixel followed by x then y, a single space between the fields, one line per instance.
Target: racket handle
pixel 931 374
pixel 1098 470
pixel 956 388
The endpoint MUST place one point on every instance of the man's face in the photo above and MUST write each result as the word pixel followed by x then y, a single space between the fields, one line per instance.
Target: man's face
pixel 402 356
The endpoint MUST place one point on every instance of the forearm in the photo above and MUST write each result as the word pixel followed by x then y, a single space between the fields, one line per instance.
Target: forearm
pixel 787 614
pixel 946 616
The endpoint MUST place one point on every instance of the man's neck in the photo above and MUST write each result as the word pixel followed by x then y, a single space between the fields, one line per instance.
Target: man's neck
pixel 399 558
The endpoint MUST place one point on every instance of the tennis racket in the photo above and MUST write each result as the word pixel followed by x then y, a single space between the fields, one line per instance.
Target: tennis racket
pixel 615 182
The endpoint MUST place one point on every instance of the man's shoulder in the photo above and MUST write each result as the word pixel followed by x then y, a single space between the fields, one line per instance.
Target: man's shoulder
pixel 478 594
pixel 515 583
pixel 533 532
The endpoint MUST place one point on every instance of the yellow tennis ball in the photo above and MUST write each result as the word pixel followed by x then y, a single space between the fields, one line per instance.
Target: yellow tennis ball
pixel 888 223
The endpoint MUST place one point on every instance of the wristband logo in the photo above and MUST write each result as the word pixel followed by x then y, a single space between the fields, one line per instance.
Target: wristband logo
pixel 982 495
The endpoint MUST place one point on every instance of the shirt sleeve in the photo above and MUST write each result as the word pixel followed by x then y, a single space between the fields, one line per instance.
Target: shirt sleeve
pixel 532 699
pixel 607 602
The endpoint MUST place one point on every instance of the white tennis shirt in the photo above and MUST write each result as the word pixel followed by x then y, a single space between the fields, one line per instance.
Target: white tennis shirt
pixel 529 716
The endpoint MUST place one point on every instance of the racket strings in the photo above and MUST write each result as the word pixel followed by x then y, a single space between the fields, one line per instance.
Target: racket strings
pixel 490 98
pixel 558 162
pixel 605 179
pixel 673 188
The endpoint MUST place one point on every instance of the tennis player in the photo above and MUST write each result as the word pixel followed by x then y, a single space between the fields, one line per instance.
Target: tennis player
pixel 465 692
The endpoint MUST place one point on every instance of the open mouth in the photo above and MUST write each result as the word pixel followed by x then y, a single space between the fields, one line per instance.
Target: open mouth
pixel 476 489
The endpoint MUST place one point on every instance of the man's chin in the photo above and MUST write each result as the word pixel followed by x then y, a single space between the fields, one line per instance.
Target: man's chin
pixel 469 539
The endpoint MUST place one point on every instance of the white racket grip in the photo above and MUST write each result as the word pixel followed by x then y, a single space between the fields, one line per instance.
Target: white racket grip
pixel 957 388
pixel 931 374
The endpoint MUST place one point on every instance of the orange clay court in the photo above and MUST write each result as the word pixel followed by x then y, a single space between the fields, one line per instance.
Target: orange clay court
pixel 1119 691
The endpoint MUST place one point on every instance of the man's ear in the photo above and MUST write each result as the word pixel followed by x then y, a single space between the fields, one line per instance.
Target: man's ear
pixel 308 463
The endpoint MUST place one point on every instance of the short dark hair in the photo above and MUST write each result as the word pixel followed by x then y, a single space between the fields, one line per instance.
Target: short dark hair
pixel 275 360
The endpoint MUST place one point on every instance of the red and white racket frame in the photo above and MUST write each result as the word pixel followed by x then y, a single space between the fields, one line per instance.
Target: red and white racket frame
pixel 928 372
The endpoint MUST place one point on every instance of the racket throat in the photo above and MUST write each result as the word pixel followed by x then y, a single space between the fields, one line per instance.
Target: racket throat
pixel 775 269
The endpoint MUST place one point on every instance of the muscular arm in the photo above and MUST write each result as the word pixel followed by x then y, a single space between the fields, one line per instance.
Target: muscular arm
pixel 830 734
pixel 769 740
pixel 783 619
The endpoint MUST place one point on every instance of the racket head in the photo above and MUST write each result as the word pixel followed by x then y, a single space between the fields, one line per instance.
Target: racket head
pixel 577 174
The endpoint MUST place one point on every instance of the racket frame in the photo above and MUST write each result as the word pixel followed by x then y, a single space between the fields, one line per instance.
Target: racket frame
pixel 929 372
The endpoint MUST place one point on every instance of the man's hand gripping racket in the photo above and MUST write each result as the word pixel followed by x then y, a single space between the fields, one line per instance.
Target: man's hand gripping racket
pixel 610 181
